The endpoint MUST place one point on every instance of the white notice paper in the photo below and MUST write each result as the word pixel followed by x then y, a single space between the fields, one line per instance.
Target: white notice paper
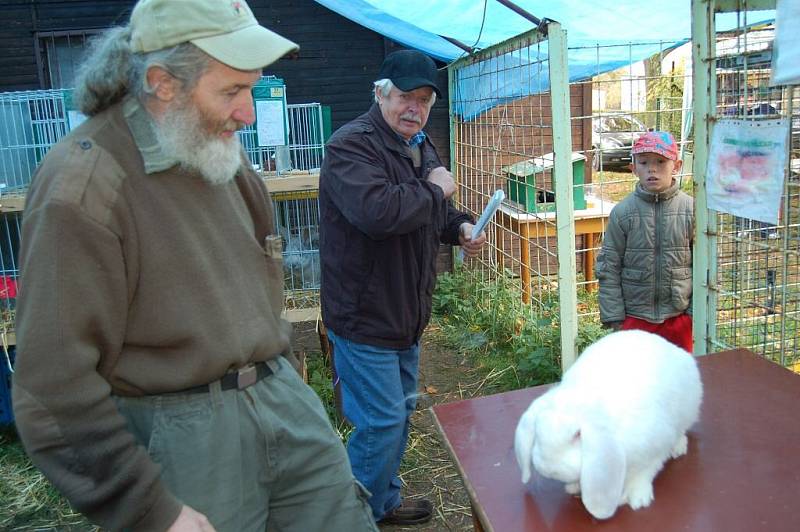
pixel 746 166
pixel 270 125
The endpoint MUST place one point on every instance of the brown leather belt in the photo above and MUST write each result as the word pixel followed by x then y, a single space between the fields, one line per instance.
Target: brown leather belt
pixel 237 380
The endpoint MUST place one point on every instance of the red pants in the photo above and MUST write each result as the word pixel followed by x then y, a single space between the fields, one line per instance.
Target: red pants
pixel 677 329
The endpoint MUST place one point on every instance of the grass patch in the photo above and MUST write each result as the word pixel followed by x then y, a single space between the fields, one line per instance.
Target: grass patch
pixel 320 378
pixel 512 344
pixel 614 186
pixel 29 501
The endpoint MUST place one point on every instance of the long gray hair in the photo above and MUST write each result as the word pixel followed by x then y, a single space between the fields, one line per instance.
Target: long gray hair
pixel 111 70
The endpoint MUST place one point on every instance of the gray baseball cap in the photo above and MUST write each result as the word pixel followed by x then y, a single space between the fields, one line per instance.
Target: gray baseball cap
pixel 226 30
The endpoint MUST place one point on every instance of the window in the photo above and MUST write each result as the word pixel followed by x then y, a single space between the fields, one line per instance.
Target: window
pixel 58 54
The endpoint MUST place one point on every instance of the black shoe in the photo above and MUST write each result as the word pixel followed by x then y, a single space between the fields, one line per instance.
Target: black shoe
pixel 410 512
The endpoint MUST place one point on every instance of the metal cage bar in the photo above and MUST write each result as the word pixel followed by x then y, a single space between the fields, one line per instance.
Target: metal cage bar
pixel 510 128
pixel 31 122
pixel 747 273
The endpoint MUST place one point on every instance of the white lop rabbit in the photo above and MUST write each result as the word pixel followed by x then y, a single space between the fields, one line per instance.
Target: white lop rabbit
pixel 619 413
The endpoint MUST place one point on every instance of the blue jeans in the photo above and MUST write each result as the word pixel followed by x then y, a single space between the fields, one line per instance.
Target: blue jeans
pixel 379 394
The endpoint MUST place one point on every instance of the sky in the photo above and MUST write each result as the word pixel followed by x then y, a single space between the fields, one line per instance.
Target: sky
pixel 586 21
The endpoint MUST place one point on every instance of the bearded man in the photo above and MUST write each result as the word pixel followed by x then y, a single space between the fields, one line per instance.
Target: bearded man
pixel 153 385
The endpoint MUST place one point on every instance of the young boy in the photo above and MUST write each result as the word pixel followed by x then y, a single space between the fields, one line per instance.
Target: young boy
pixel 645 265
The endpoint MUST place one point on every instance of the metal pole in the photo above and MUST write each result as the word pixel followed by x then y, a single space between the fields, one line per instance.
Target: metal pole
pixel 704 274
pixel 562 177
pixel 521 12
pixel 465 47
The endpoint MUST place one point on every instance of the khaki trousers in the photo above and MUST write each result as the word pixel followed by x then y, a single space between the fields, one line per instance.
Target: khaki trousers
pixel 262 458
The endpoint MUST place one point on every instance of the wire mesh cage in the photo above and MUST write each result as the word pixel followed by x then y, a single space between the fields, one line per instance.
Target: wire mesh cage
pixel 753 297
pixel 305 146
pixel 503 136
pixel 651 91
pixel 31 122
pixel 509 107
pixel 297 220
pixel 9 268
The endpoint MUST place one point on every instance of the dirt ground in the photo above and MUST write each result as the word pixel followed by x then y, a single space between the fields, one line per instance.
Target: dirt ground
pixel 427 469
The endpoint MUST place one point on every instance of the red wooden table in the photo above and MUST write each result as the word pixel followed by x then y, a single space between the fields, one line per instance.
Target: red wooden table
pixel 742 471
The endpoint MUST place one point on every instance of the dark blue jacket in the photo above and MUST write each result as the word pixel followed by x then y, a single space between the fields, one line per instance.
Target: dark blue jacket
pixel 381 223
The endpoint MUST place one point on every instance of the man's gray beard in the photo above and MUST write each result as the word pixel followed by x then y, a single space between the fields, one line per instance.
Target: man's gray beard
pixel 182 137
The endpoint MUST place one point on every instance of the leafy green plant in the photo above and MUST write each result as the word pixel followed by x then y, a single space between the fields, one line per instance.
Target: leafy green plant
pixel 664 95
pixel 486 321
pixel 320 379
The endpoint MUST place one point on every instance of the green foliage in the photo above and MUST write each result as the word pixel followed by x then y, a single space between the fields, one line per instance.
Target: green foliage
pixel 665 96
pixel 486 321
pixel 320 379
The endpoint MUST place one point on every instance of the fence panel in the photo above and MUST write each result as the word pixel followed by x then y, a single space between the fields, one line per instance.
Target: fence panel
pixel 33 121
pixel 752 296
pixel 306 142
pixel 652 90
pixel 30 123
pixel 502 123
pixel 509 108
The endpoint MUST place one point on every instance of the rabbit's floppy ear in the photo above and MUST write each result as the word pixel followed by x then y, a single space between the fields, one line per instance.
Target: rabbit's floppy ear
pixel 602 469
pixel 525 436
pixel 523 442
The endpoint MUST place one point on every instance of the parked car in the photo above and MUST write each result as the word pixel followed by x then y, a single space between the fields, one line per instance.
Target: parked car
pixel 612 138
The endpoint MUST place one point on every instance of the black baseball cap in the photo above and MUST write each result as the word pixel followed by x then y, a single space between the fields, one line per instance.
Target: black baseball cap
pixel 409 70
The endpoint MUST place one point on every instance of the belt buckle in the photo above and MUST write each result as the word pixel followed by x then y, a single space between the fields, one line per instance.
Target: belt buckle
pixel 246 376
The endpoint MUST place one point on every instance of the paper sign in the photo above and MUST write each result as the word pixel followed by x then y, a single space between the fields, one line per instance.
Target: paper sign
pixel 786 55
pixel 270 125
pixel 746 167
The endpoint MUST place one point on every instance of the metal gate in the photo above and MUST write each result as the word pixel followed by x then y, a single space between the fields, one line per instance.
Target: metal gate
pixel 747 280
pixel 510 129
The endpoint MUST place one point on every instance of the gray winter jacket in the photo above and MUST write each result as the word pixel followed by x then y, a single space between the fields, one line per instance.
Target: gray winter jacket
pixel 645 265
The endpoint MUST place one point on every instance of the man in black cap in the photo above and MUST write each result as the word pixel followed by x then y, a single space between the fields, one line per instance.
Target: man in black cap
pixel 384 209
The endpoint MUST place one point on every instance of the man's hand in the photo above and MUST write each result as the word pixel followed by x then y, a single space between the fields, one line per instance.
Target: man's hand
pixel 190 520
pixel 442 177
pixel 614 325
pixel 471 245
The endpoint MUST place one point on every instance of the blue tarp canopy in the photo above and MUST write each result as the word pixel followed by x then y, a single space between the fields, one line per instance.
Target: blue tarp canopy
pixel 602 35
pixel 405 33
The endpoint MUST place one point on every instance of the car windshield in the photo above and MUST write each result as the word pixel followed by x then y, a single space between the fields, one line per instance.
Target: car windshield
pixel 620 123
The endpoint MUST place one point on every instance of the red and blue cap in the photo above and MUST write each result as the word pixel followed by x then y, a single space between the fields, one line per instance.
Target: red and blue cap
pixel 659 142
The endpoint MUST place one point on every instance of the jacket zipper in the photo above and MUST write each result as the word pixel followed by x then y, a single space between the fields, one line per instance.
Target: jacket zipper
pixel 422 247
pixel 657 262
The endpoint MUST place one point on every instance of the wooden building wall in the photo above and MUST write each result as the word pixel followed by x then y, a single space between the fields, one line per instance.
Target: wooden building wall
pixel 336 65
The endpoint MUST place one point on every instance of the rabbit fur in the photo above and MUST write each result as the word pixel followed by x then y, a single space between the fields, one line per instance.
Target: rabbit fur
pixel 619 413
